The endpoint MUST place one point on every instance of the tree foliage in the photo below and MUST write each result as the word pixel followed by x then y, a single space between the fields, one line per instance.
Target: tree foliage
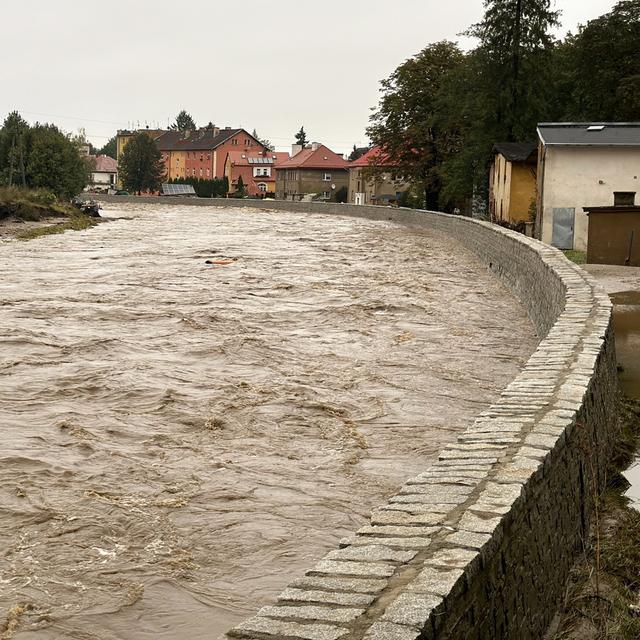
pixel 205 187
pixel 267 144
pixel 141 167
pixel 407 123
pixel 110 149
pixel 41 156
pixel 301 137
pixel 184 122
pixel 441 112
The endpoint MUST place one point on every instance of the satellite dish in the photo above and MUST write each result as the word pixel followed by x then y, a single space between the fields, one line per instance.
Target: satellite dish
pixel 333 186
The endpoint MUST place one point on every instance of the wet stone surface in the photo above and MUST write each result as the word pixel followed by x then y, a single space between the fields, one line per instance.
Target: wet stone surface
pixel 183 439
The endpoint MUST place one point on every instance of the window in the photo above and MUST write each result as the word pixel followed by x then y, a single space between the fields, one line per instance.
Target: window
pixel 208 173
pixel 262 187
pixel 624 198
pixel 327 177
pixel 193 172
pixel 201 157
pixel 201 173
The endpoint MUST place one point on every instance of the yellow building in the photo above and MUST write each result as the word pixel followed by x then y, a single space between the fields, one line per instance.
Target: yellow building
pixel 512 182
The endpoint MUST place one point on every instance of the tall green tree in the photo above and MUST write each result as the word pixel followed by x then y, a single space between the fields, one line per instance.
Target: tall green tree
pixel 602 63
pixel 184 122
pixel 301 137
pixel 515 40
pixel 110 149
pixel 13 149
pixel 54 162
pixel 407 123
pixel 141 167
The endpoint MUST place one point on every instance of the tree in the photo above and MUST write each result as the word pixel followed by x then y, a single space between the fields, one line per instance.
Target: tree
pixel 357 152
pixel 263 141
pixel 110 149
pixel 406 124
pixel 301 137
pixel 54 162
pixel 515 38
pixel 184 122
pixel 141 166
pixel 602 67
pixel 241 190
pixel 13 149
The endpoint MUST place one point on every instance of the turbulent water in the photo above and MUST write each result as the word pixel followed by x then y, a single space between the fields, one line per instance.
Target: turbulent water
pixel 180 439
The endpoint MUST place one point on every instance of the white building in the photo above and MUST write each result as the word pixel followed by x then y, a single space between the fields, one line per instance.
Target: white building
pixel 583 165
pixel 105 174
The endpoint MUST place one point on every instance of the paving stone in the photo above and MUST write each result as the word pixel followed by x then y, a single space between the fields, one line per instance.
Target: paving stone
pixel 390 530
pixel 448 558
pixel 473 522
pixel 296 630
pixel 357 585
pixel 437 581
pixel 401 543
pixel 411 609
pixel 329 597
pixel 371 553
pixel 312 613
pixel 470 539
pixel 333 567
pixel 399 518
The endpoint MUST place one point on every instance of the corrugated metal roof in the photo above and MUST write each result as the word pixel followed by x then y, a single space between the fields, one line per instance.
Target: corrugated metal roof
pixel 607 134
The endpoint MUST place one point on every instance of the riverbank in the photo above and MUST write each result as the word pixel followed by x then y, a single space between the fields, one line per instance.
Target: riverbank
pixel 603 594
pixel 26 214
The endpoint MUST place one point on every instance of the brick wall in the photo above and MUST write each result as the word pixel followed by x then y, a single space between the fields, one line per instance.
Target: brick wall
pixel 479 545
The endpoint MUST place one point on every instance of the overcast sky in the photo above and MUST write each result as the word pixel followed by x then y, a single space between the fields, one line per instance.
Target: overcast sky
pixel 272 65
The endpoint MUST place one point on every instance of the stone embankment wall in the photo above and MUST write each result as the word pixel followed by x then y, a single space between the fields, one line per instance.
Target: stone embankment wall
pixel 478 546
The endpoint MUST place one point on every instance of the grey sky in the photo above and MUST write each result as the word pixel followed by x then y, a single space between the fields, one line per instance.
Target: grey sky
pixel 272 65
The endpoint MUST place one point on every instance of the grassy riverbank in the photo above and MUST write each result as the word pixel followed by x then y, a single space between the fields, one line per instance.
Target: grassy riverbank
pixel 32 213
pixel 602 600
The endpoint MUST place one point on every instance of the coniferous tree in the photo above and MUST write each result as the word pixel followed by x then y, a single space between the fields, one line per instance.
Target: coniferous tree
pixel 141 166
pixel 110 149
pixel 301 137
pixel 184 122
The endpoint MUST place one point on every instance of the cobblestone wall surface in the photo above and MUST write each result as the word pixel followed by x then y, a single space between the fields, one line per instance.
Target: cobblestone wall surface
pixel 479 545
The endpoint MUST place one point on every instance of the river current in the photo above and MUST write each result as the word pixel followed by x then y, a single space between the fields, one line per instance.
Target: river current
pixel 198 403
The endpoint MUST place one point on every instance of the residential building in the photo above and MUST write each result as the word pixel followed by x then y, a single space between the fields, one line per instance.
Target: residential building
pixel 104 173
pixel 202 153
pixel 583 165
pixel 381 187
pixel 314 170
pixel 512 182
pixel 258 171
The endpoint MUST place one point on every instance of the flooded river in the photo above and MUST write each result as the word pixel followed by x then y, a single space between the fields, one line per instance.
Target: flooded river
pixel 196 404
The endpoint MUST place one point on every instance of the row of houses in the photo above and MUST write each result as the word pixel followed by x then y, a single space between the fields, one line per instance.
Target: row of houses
pixel 575 187
pixel 313 170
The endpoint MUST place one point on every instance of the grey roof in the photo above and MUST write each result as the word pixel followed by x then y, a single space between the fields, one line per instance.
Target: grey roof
pixel 199 140
pixel 515 151
pixel 607 134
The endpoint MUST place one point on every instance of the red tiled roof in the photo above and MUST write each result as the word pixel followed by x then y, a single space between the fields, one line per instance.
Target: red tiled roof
pixel 240 159
pixel 105 164
pixel 320 158
pixel 373 156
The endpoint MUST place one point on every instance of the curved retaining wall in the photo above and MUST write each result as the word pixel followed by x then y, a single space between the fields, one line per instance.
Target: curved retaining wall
pixel 479 546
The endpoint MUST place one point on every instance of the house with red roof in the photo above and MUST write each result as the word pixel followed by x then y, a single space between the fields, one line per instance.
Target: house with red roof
pixel 202 153
pixel 257 170
pixel 104 173
pixel 374 180
pixel 313 170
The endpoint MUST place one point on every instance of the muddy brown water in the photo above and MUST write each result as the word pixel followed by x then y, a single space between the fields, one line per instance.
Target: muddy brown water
pixel 181 439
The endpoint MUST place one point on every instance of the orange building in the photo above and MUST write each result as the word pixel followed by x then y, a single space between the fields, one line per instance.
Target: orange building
pixel 257 171
pixel 202 153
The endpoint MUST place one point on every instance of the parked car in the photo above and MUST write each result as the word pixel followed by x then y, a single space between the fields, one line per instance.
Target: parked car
pixel 121 192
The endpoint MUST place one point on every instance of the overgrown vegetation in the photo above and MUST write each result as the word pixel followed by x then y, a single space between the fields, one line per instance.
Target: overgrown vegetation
pixel 603 596
pixel 442 110
pixel 31 204
pixel 41 157
pixel 579 257
pixel 76 221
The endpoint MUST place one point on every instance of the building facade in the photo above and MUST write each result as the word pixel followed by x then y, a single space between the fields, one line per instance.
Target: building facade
pixel 257 170
pixel 382 186
pixel 583 165
pixel 512 182
pixel 313 171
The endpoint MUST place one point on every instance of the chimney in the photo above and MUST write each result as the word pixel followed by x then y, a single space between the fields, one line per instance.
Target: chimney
pixel 295 149
pixel 315 145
